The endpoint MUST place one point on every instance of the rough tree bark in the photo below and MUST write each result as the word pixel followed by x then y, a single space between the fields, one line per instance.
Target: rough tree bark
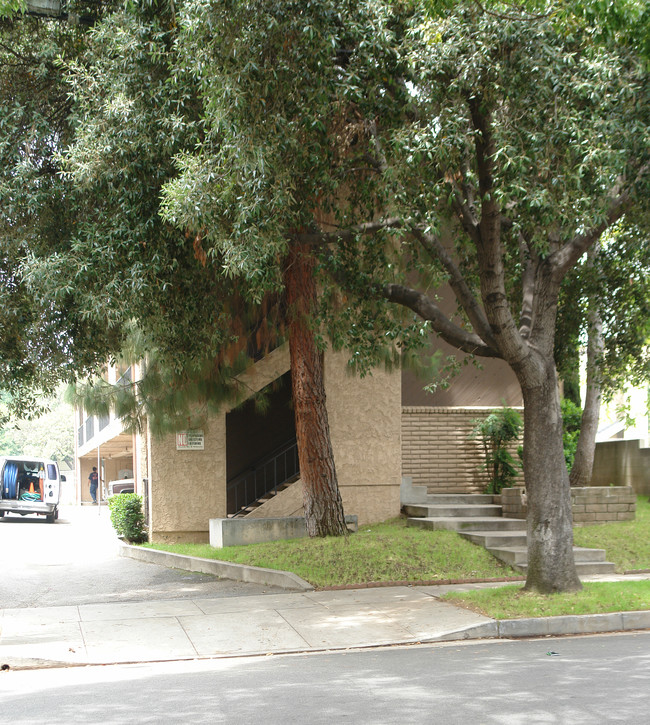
pixel 583 464
pixel 551 566
pixel 322 499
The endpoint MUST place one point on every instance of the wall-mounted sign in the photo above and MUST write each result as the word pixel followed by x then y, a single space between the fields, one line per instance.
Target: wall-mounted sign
pixel 189 440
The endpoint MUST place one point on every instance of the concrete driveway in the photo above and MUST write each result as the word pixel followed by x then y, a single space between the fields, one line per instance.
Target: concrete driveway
pixel 76 561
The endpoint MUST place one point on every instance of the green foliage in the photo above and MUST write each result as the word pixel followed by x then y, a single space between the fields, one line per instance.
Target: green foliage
pixel 49 435
pixel 127 517
pixel 12 7
pixel 44 339
pixel 571 421
pixel 255 120
pixel 618 280
pixel 511 602
pixel 497 433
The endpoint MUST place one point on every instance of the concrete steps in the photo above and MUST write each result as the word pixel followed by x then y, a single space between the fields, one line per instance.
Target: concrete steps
pixel 468 523
pixel 497 539
pixel 478 519
pixel 450 510
pixel 518 555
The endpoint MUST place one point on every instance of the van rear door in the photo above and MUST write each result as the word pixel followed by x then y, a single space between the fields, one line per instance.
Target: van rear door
pixel 51 483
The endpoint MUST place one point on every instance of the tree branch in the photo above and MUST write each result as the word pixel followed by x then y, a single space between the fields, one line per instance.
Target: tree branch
pixel 382 164
pixel 527 288
pixel 320 239
pixel 425 308
pixel 465 210
pixel 570 253
pixel 457 282
pixel 510 343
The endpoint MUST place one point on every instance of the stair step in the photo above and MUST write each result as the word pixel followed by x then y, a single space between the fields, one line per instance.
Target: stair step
pixel 584 554
pixel 586 568
pixel 595 567
pixel 496 539
pixel 436 499
pixel 471 523
pixel 477 519
pixel 445 510
pixel 519 554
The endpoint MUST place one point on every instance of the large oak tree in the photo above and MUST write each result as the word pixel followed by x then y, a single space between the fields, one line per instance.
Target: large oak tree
pixel 528 142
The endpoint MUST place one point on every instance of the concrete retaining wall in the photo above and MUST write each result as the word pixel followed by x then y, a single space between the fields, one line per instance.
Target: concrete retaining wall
pixel 591 504
pixel 223 569
pixel 243 531
pixel 623 463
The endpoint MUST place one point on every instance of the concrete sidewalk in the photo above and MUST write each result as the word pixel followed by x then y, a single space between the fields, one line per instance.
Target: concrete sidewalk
pixel 276 623
pixel 264 624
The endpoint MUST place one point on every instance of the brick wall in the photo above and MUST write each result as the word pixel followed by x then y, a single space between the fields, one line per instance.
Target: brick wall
pixel 598 504
pixel 437 451
pixel 513 502
pixel 591 504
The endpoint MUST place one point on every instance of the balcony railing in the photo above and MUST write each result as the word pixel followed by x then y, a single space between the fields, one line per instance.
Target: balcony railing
pixel 90 428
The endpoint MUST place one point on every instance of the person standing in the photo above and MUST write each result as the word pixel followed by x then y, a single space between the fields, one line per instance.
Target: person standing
pixel 94 479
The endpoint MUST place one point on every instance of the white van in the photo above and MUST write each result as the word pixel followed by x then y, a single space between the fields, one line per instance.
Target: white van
pixel 30 486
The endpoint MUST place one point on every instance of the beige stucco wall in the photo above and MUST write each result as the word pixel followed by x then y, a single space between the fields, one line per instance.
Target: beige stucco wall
pixel 187 488
pixel 286 503
pixel 364 416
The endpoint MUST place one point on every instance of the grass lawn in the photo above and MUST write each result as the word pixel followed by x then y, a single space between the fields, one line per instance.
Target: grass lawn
pixel 627 543
pixel 391 552
pixel 378 553
pixel 511 602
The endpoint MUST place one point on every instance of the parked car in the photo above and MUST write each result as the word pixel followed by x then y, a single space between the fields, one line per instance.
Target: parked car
pixel 30 486
pixel 122 485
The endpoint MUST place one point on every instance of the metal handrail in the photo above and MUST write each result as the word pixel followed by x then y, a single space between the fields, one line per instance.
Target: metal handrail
pixel 263 477
pixel 126 378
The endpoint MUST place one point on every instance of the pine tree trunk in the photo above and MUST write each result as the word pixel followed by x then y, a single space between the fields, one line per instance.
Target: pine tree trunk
pixel 551 566
pixel 322 499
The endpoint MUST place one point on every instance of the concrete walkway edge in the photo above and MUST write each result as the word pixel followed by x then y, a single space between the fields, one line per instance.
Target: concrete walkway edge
pixel 224 569
pixel 553 626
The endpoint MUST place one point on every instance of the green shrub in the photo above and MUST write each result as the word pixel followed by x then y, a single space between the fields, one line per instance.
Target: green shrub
pixel 571 421
pixel 497 433
pixel 127 516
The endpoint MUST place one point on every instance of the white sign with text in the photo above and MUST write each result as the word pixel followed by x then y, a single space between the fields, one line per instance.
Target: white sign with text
pixel 189 440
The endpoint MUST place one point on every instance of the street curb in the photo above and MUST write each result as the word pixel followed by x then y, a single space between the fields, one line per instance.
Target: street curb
pixel 224 569
pixel 566 625
pixel 573 624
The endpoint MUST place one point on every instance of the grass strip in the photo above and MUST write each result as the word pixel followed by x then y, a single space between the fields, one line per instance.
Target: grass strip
pixel 386 552
pixel 512 602
pixel 627 543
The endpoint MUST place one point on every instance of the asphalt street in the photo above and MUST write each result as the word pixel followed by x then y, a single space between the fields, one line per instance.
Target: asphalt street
pixel 570 681
pixel 76 561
